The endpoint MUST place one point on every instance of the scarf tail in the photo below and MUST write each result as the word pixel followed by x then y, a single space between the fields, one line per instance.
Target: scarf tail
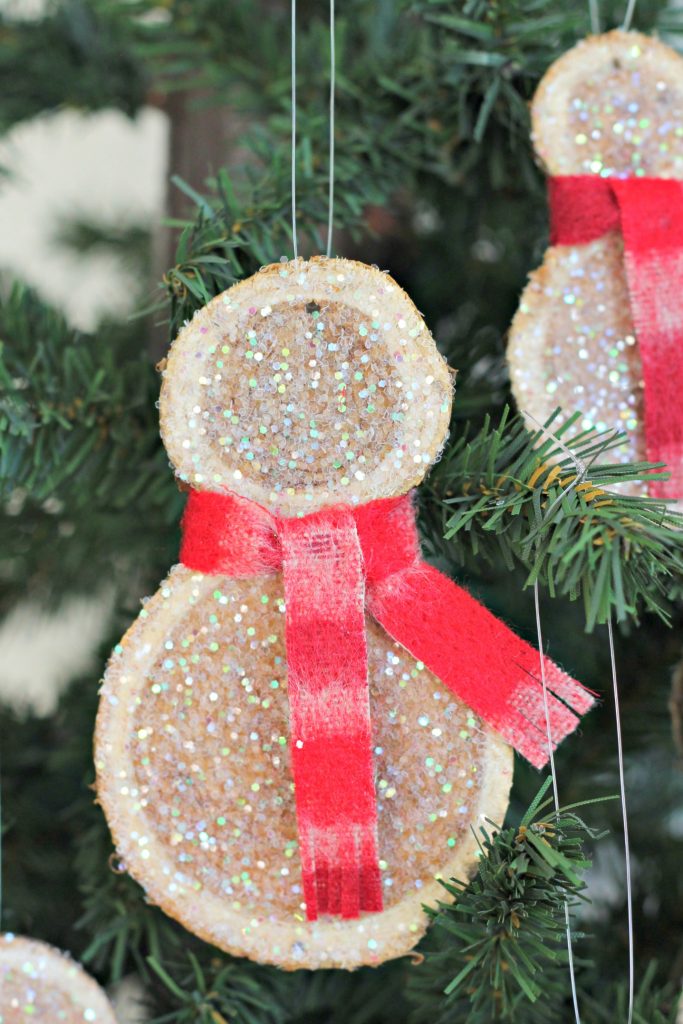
pixel 475 655
pixel 649 214
pixel 652 225
pixel 330 730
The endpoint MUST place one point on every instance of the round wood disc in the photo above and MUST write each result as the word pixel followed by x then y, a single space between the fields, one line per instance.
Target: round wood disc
pixel 42 985
pixel 572 345
pixel 310 383
pixel 611 106
pixel 193 773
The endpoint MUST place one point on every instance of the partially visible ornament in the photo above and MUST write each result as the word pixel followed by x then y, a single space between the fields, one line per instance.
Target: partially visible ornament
pixel 600 324
pixel 41 985
pixel 285 747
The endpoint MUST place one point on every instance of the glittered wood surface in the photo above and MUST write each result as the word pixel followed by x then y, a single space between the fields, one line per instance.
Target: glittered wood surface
pixel 193 773
pixel 613 105
pixel 572 345
pixel 41 985
pixel 310 383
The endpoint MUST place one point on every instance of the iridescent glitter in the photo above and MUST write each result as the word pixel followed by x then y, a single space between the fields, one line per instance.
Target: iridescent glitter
pixel 309 384
pixel 572 344
pixel 612 106
pixel 41 985
pixel 193 773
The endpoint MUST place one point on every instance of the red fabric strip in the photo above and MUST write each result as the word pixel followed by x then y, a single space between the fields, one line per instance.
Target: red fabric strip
pixel 229 535
pixel 649 214
pixel 582 207
pixel 467 647
pixel 331 739
pixel 338 564
pixel 652 226
pixel 472 652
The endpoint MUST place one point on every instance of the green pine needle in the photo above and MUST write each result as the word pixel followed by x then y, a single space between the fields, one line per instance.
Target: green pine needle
pixel 498 953
pixel 512 497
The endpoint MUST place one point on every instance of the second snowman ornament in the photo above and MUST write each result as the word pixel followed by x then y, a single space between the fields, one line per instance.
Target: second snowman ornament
pixel 298 734
pixel 600 323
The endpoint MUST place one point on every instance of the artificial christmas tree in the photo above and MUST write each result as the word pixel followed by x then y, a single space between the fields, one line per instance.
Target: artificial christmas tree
pixel 436 182
pixel 597 326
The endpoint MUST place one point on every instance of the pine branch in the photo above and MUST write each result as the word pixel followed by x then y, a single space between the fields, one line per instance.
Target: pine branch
pixel 504 495
pixel 232 237
pixel 79 453
pixel 443 95
pixel 653 1004
pixel 403 71
pixel 446 74
pixel 231 991
pixel 436 81
pixel 499 952
pixel 124 930
pixel 77 417
pixel 95 66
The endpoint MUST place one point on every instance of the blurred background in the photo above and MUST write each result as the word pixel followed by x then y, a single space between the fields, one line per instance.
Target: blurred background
pixel 135 139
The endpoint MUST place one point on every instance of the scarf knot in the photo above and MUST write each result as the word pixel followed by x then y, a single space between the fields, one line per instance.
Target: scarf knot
pixel 338 565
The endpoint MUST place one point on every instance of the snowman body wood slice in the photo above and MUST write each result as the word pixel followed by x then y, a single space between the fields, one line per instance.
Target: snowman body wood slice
pixel 40 984
pixel 311 386
pixel 610 108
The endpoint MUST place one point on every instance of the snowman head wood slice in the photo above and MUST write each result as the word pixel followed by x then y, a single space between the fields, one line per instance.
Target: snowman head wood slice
pixel 608 127
pixel 42 985
pixel 321 384
pixel 309 385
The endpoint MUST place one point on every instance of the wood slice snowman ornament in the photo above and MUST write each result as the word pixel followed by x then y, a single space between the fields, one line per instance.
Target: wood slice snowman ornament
pixel 41 985
pixel 299 733
pixel 600 324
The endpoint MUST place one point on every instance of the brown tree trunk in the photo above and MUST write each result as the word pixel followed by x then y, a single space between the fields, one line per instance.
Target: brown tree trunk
pixel 202 138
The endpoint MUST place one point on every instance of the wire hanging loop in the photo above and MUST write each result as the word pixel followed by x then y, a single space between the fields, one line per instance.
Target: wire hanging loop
pixel 627 847
pixel 594 15
pixel 556 797
pixel 333 74
pixel 581 471
pixel 293 105
pixel 628 17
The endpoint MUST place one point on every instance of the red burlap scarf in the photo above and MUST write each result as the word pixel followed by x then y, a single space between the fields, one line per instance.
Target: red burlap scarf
pixel 649 214
pixel 338 565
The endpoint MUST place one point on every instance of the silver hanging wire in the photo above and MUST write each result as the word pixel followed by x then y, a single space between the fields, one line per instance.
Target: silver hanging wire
pixel 293 101
pixel 628 17
pixel 581 471
pixel 594 13
pixel 556 798
pixel 333 74
pixel 627 848
pixel 595 28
